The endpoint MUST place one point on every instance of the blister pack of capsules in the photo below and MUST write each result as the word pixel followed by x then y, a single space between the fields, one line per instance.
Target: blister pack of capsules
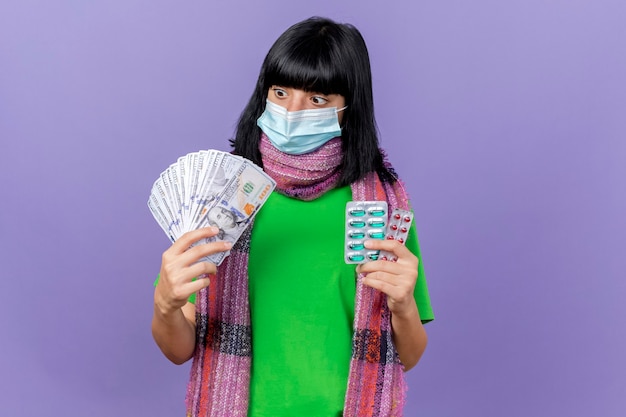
pixel 364 220
pixel 370 220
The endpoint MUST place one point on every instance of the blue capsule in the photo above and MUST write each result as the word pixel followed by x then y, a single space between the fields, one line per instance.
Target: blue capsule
pixel 356 245
pixel 357 212
pixel 376 223
pixel 377 234
pixel 356 258
pixel 357 235
pixel 357 223
pixel 377 211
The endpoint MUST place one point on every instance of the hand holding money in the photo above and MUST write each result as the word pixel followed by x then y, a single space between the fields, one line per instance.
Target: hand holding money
pixel 209 188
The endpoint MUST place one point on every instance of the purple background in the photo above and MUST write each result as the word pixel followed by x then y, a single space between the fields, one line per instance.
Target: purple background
pixel 507 120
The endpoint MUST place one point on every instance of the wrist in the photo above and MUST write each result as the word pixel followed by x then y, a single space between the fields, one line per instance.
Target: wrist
pixel 406 311
pixel 164 310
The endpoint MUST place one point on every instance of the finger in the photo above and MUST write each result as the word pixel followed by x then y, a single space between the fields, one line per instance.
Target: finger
pixel 384 266
pixel 203 281
pixel 182 292
pixel 388 245
pixel 186 240
pixel 398 291
pixel 378 282
pixel 186 266
pixel 201 268
pixel 390 277
pixel 195 253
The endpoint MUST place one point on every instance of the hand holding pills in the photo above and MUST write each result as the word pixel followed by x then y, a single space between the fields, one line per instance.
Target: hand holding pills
pixel 376 241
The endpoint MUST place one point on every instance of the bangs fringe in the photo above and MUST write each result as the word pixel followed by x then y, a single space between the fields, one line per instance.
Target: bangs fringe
pixel 310 68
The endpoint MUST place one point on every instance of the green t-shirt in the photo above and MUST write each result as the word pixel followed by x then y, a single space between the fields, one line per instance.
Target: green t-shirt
pixel 302 306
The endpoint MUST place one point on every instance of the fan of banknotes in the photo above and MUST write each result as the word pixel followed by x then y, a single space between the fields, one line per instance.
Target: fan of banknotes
pixel 209 188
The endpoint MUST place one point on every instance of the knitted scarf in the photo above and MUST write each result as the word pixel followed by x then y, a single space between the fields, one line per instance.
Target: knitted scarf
pixel 220 371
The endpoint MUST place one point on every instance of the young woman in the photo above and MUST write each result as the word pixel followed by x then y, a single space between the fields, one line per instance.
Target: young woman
pixel 284 327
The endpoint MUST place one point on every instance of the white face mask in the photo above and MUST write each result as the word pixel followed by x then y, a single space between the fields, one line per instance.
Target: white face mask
pixel 299 132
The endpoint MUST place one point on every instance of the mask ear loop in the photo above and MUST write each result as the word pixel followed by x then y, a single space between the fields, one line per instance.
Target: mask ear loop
pixel 341 109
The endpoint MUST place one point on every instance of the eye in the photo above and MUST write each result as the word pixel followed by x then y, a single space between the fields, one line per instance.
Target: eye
pixel 319 100
pixel 279 92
